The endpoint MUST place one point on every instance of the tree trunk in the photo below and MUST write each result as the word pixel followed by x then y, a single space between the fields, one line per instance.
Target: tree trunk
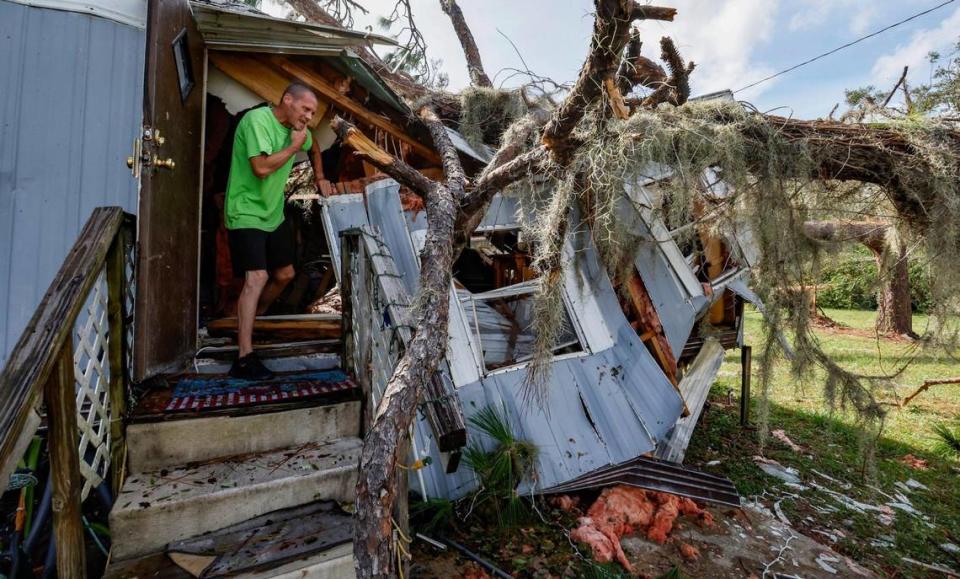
pixel 894 310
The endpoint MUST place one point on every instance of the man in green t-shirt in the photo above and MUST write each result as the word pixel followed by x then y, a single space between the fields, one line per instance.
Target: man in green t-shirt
pixel 262 247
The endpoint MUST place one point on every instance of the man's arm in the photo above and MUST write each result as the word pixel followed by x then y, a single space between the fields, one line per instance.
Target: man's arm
pixel 316 160
pixel 264 165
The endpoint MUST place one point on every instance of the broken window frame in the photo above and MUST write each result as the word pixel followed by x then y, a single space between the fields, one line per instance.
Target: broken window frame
pixel 526 288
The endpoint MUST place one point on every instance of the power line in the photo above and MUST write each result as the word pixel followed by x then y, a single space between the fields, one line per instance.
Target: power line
pixel 847 45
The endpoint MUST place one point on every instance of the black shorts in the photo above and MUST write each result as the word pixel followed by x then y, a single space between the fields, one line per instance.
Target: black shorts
pixel 253 249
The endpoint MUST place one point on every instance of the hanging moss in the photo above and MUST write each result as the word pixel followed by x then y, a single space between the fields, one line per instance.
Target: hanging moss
pixel 485 114
pixel 776 190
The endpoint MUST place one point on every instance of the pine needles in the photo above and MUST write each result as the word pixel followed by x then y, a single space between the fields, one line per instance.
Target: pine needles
pixel 948 440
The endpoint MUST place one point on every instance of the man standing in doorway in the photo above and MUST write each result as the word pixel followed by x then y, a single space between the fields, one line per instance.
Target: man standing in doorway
pixel 262 247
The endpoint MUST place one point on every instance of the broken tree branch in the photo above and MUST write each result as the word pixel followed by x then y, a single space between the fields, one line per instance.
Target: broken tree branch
pixel 478 76
pixel 676 89
pixel 903 79
pixel 927 384
pixel 610 35
pixel 362 145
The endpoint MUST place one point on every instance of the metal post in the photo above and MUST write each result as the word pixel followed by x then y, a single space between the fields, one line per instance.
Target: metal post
pixel 745 355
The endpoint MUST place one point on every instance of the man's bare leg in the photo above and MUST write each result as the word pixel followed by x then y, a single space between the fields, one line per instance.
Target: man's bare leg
pixel 253 286
pixel 279 279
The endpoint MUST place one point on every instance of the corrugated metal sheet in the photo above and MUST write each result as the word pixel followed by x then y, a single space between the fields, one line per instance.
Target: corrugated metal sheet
pixel 70 109
pixel 676 293
pixel 341 212
pixel 237 26
pixel 503 214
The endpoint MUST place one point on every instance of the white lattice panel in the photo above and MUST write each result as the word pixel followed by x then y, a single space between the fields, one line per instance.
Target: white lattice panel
pixel 129 295
pixel 91 361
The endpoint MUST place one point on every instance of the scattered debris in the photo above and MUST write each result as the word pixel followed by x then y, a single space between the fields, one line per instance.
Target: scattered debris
pixel 329 303
pixel 842 484
pixel 777 470
pixel 780 435
pixel 914 462
pixel 824 561
pixel 883 542
pixel 689 552
pixel 713 463
pixel 565 503
pixel 916 485
pixel 950 548
pixel 932 567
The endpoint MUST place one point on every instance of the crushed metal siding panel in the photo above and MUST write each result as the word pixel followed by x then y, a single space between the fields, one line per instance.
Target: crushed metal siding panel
pixel 501 215
pixel 341 212
pixel 695 386
pixel 386 214
pixel 481 153
pixel 605 405
pixel 70 108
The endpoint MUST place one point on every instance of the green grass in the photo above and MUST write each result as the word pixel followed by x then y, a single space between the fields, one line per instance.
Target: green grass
pixel 832 445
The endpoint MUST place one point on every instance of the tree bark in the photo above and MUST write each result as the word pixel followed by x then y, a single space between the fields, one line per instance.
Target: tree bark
pixel 611 32
pixel 478 77
pixel 894 310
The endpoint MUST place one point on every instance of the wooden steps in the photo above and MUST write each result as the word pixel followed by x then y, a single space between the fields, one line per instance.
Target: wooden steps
pixel 157 507
pixel 198 472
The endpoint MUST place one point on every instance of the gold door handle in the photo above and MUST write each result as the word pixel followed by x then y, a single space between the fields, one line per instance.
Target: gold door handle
pixel 164 163
pixel 131 161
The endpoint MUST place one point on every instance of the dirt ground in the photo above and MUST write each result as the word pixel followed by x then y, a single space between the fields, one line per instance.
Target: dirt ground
pixel 743 543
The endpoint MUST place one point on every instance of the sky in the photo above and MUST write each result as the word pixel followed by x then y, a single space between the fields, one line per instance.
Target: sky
pixel 732 42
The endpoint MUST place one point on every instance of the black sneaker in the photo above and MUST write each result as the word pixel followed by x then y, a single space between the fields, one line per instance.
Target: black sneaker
pixel 250 368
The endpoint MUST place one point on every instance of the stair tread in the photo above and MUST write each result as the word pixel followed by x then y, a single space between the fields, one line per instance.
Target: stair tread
pixel 336 562
pixel 158 488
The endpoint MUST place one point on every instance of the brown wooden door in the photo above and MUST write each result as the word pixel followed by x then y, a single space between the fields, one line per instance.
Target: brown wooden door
pixel 166 304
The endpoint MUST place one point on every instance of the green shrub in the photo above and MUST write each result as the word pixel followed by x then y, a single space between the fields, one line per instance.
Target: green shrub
pixel 850 282
pixel 501 469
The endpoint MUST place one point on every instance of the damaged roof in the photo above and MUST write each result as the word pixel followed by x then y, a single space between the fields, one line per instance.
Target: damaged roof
pixel 237 26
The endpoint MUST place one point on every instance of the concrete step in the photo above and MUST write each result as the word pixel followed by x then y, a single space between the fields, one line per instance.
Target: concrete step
pixel 179 441
pixel 160 506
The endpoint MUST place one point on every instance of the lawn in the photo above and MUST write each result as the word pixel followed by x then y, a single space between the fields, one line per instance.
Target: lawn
pixel 832 451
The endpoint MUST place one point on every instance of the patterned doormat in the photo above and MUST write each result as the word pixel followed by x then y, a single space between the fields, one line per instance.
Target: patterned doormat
pixel 202 391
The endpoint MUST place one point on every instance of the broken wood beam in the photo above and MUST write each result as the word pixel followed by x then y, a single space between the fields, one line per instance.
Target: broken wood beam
pixel 308 327
pixel 348 105
pixel 395 168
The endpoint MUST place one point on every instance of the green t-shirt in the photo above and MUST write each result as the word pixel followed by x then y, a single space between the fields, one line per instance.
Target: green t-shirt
pixel 253 202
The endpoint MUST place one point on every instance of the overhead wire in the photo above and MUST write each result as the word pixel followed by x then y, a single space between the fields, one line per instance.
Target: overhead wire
pixel 847 45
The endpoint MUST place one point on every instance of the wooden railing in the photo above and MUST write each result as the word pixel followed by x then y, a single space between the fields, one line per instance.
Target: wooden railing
pixel 69 368
pixel 376 331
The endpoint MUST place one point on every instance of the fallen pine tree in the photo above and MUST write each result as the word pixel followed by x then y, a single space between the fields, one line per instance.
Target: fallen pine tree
pixel 585 150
